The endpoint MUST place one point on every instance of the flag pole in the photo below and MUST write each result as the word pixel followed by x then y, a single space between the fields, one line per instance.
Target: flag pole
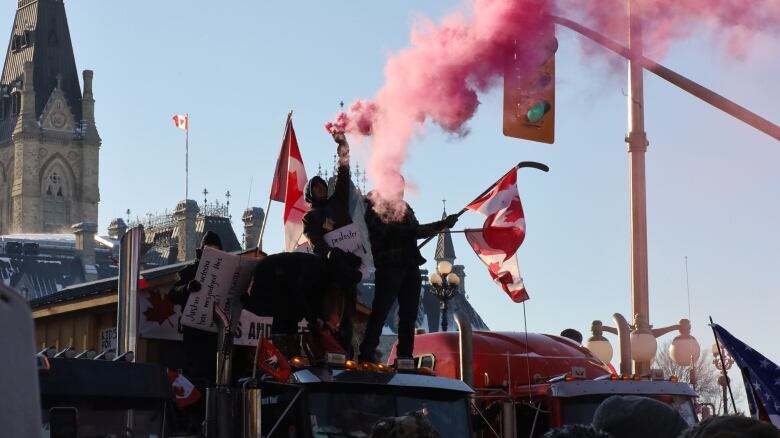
pixel 725 371
pixel 186 156
pixel 268 207
pixel 534 164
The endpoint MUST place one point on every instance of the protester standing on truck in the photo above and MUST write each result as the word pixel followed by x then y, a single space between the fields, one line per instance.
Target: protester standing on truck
pixel 329 213
pixel 200 347
pixel 393 240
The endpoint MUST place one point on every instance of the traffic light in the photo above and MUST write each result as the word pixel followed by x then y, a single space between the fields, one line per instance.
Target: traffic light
pixel 529 89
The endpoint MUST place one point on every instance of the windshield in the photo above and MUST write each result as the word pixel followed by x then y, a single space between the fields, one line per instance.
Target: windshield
pixel 579 410
pixel 354 413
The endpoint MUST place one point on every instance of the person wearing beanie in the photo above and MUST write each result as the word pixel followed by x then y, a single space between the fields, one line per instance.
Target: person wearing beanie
pixel 629 416
pixel 732 426
pixel 326 214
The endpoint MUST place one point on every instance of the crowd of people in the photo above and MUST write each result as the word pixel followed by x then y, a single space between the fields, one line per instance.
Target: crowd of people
pixel 642 417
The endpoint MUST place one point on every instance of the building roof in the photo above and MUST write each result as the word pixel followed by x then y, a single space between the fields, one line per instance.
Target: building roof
pixel 40 34
pixel 98 287
pixel 444 248
pixel 40 264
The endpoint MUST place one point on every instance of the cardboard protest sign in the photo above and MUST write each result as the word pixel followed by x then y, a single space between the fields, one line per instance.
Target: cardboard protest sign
pixel 223 279
pixel 349 239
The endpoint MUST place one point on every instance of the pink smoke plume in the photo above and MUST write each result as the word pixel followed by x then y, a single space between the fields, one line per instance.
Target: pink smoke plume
pixel 438 77
pixel 734 22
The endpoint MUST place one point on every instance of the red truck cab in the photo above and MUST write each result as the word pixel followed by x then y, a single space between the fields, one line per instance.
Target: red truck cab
pixel 529 383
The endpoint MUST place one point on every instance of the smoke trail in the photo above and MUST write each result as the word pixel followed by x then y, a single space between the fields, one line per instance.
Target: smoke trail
pixel 438 77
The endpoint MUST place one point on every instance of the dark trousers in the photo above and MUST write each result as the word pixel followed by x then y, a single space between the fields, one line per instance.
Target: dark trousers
pixel 403 283
pixel 201 350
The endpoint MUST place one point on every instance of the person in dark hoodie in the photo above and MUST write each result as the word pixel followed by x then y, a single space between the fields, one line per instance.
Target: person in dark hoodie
pixel 397 261
pixel 200 347
pixel 328 213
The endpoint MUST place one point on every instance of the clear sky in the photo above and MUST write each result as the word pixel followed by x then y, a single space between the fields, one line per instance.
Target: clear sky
pixel 238 67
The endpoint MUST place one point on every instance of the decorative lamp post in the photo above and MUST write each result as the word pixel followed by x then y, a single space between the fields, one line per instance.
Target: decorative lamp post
pixel 445 285
pixel 723 361
pixel 598 344
pixel 642 345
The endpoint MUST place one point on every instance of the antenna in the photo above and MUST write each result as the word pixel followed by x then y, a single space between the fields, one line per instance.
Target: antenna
pixel 249 197
pixel 688 288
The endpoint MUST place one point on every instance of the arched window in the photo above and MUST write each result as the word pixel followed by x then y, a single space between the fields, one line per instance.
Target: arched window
pixel 56 196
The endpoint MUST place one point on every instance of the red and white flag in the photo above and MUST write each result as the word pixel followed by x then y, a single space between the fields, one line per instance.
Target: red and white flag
pixel 288 185
pixel 497 242
pixel 185 392
pixel 182 121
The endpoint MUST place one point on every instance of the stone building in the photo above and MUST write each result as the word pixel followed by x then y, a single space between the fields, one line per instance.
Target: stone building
pixel 48 139
pixel 49 166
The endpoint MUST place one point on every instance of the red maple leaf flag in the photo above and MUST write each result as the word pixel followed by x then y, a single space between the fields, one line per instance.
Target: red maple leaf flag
pixel 288 185
pixel 502 234
pixel 160 308
pixel 182 121
pixel 185 392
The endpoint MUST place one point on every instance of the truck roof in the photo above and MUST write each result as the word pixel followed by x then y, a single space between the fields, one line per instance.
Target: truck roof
pixel 386 379
pixel 578 388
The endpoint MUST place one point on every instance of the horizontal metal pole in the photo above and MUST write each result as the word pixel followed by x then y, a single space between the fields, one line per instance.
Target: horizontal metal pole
pixel 728 106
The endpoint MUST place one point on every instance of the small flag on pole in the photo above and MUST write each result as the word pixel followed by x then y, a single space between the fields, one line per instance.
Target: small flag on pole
pixel 181 121
pixel 185 392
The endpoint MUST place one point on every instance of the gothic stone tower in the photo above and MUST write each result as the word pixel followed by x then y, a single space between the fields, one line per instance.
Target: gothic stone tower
pixel 48 140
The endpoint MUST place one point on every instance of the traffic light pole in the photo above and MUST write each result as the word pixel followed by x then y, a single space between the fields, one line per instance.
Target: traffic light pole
pixel 637 146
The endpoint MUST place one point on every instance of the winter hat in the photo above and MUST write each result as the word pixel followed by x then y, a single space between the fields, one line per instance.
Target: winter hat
pixel 212 239
pixel 638 417
pixel 307 194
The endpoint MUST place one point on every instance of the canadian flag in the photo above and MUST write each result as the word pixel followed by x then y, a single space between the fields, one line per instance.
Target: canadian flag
pixel 288 185
pixel 182 121
pixel 497 242
pixel 185 392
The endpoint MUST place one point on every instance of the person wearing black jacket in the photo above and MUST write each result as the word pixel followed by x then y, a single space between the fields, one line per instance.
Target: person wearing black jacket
pixel 200 347
pixel 397 261
pixel 328 213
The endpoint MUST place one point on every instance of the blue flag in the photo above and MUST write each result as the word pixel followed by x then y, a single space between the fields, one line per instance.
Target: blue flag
pixel 761 376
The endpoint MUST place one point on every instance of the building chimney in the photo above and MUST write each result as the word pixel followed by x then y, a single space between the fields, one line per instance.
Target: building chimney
pixel 185 215
pixel 117 228
pixel 88 127
pixel 85 247
pixel 253 221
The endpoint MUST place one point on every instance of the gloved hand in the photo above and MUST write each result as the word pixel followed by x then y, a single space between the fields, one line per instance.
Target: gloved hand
pixel 451 220
pixel 193 286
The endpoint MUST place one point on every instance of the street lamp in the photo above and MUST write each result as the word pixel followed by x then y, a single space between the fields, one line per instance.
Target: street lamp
pixel 598 344
pixel 444 285
pixel 641 345
pixel 723 361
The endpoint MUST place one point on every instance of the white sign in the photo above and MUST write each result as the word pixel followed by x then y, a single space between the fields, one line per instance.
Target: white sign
pixel 107 339
pixel 223 279
pixel 250 328
pixel 348 238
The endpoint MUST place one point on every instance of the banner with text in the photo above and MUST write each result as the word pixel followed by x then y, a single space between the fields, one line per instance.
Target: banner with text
pixel 223 278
